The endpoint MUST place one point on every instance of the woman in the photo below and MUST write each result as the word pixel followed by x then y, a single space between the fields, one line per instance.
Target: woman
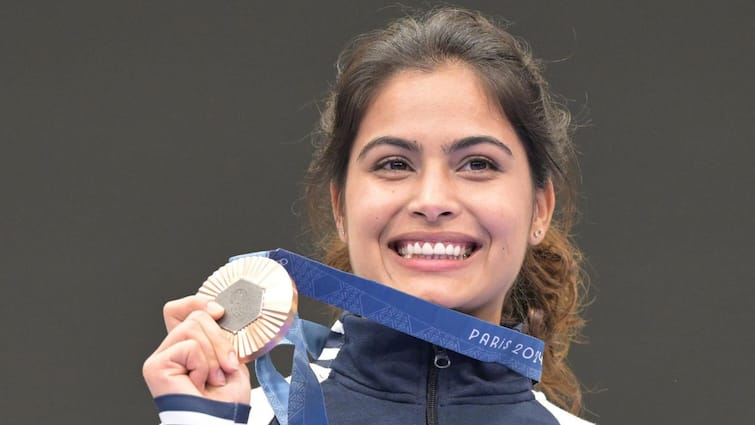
pixel 441 159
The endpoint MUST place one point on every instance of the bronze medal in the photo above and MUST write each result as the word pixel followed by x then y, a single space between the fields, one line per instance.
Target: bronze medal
pixel 260 302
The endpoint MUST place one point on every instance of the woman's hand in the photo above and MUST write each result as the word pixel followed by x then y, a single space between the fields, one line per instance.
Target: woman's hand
pixel 196 357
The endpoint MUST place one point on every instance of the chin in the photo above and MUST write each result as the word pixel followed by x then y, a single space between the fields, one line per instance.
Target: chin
pixel 440 298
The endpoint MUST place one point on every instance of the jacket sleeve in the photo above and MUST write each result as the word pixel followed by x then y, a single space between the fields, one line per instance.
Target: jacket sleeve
pixel 181 409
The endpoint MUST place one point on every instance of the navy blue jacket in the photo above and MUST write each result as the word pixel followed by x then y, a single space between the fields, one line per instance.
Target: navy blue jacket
pixel 382 376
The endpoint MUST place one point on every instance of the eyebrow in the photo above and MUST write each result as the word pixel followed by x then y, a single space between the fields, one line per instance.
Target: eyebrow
pixel 476 140
pixel 408 145
pixel 413 146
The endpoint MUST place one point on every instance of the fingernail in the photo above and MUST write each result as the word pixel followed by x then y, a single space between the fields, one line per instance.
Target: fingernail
pixel 220 377
pixel 214 308
pixel 233 360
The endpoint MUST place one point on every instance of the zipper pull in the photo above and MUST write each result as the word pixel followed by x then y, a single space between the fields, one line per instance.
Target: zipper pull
pixel 441 358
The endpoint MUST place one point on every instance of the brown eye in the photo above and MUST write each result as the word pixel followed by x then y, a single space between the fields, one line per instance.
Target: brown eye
pixel 397 165
pixel 479 164
pixel 393 164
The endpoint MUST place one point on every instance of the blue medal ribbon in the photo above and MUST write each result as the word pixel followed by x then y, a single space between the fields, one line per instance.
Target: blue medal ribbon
pixel 437 325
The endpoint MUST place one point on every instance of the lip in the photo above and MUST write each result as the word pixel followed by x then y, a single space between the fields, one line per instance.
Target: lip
pixel 426 264
pixel 444 237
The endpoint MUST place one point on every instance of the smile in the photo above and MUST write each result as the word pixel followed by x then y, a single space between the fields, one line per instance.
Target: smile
pixel 434 250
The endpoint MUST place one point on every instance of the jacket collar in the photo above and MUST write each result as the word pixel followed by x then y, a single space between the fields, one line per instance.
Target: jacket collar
pixel 386 363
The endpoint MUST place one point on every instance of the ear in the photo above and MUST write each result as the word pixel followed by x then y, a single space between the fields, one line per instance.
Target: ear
pixel 545 202
pixel 337 208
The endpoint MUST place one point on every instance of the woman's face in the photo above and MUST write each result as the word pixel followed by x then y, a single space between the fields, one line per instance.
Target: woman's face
pixel 438 200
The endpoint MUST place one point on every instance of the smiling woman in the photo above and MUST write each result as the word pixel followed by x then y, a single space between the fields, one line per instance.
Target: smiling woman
pixel 440 161
pixel 453 177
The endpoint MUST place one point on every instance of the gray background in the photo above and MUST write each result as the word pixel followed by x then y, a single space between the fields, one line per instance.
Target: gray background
pixel 144 142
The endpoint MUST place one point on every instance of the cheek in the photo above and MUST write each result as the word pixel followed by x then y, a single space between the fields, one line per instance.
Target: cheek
pixel 507 218
pixel 367 212
pixel 367 216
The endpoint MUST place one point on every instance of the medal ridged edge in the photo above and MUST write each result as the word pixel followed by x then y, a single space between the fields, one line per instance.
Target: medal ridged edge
pixel 278 308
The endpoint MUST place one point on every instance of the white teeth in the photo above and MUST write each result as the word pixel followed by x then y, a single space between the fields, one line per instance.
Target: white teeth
pixel 438 250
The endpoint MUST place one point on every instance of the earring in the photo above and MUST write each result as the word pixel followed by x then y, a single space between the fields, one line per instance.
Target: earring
pixel 538 233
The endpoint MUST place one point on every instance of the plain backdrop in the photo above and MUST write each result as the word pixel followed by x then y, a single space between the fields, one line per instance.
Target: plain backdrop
pixel 144 142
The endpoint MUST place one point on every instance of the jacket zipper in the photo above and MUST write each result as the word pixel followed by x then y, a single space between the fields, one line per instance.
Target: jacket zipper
pixel 440 361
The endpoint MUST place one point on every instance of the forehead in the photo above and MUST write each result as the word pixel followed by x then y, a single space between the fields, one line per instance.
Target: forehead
pixel 447 103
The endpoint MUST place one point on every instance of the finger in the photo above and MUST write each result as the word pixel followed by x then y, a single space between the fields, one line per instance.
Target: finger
pixel 238 376
pixel 198 328
pixel 237 388
pixel 213 341
pixel 181 368
pixel 176 311
pixel 192 358
pixel 220 339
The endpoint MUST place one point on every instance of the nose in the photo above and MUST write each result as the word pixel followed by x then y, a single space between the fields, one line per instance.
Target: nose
pixel 435 197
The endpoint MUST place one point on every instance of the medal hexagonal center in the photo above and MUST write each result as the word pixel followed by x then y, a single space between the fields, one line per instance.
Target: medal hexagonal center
pixel 243 304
